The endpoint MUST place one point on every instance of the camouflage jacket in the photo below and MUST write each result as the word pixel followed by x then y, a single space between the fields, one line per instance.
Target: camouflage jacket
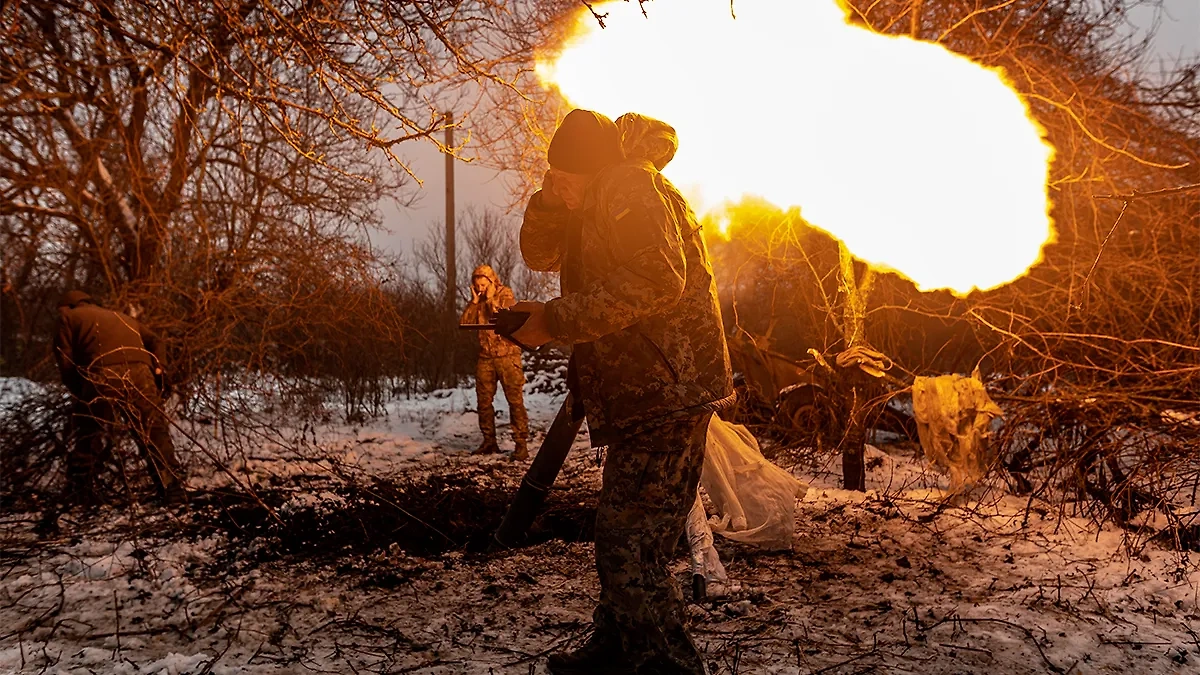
pixel 639 302
pixel 491 345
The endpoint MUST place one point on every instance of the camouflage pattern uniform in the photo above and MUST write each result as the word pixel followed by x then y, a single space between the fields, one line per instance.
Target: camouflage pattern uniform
pixel 650 483
pixel 499 361
pixel 639 305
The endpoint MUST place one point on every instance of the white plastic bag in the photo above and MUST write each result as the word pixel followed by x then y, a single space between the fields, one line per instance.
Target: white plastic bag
pixel 756 499
pixel 954 414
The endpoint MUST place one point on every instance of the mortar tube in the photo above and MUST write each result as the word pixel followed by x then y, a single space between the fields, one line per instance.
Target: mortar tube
pixel 527 503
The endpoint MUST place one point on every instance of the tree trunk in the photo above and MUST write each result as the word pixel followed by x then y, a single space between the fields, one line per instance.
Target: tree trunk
pixel 854 471
pixel 854 381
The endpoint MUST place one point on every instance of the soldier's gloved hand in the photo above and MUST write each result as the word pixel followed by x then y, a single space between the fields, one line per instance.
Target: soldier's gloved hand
pixel 162 382
pixel 534 333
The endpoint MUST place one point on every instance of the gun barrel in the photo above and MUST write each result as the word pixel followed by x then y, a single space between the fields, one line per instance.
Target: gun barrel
pixel 477 326
pixel 528 500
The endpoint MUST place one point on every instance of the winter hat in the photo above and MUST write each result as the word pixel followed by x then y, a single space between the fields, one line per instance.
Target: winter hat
pixel 585 142
pixel 72 298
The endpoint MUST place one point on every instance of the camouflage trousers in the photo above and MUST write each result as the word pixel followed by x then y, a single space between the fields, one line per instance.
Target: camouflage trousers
pixel 650 483
pixel 511 375
pixel 112 396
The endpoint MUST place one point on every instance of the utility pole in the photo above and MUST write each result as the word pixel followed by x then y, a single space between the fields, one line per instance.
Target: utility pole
pixel 451 272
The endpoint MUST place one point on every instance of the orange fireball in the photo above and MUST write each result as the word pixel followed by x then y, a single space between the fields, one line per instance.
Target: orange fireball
pixel 921 161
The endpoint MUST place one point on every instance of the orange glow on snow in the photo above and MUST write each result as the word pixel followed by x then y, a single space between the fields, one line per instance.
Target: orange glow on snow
pixel 921 161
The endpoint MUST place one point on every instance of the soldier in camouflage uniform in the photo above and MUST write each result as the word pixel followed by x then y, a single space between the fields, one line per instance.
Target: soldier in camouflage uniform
pixel 500 360
pixel 109 362
pixel 639 306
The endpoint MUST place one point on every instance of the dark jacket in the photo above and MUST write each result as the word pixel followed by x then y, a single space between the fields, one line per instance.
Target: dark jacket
pixel 91 336
pixel 639 302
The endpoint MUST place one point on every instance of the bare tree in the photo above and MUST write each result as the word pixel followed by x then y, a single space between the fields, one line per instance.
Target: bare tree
pixel 155 148
pixel 1094 353
pixel 216 165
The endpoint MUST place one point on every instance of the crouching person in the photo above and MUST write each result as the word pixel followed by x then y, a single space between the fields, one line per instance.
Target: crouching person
pixel 109 362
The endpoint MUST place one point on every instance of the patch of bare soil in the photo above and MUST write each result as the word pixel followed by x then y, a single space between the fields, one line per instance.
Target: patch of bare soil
pixel 437 514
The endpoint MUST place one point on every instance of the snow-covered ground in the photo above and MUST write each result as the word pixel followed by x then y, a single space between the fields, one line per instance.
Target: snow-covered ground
pixel 422 432
pixel 893 581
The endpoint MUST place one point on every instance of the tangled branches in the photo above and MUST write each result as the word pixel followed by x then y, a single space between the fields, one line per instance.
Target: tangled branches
pixel 33 424
pixel 1116 455
pixel 1093 353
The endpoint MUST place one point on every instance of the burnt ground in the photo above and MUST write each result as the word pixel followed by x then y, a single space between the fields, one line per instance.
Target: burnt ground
pixel 426 518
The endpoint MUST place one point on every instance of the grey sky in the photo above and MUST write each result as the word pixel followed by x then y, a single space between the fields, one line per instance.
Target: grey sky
pixel 474 185
pixel 1178 37
pixel 1179 28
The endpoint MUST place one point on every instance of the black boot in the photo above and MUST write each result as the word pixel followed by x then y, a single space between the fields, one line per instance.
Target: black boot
pixel 601 655
pixel 47 525
pixel 174 495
